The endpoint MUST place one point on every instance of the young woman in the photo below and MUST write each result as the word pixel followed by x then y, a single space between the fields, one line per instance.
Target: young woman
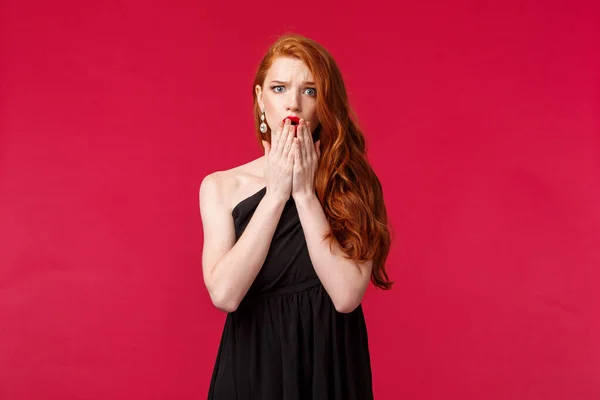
pixel 292 239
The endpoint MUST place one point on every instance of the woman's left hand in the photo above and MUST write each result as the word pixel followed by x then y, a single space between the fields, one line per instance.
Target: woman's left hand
pixel 306 161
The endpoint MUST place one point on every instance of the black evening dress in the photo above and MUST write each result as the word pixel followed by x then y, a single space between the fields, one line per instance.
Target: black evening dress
pixel 286 341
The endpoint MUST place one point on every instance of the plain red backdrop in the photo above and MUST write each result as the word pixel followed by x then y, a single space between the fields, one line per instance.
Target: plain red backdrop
pixel 482 120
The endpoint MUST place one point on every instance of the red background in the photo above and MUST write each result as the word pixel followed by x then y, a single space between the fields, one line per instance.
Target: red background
pixel 482 120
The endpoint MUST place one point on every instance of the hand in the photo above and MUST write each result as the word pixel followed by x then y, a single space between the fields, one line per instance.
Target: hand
pixel 306 161
pixel 279 163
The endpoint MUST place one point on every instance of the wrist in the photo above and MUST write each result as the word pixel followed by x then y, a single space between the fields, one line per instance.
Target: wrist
pixel 275 199
pixel 304 199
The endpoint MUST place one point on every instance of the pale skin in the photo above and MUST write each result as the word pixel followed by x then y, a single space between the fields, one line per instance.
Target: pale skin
pixel 288 168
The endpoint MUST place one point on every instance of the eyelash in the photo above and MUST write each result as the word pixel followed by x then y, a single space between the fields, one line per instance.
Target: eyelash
pixel 276 86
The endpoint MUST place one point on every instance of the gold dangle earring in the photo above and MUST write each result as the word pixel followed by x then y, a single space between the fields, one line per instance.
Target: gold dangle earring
pixel 263 126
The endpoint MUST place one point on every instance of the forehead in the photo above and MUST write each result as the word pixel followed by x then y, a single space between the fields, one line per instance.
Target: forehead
pixel 289 69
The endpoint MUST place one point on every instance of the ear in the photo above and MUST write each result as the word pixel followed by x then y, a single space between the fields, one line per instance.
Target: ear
pixel 259 98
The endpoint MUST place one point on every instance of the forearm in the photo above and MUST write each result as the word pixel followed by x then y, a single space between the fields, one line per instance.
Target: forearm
pixel 236 270
pixel 342 278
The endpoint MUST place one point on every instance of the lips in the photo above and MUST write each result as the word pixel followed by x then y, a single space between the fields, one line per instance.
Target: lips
pixel 294 121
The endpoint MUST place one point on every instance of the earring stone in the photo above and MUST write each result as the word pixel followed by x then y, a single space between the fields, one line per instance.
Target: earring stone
pixel 263 126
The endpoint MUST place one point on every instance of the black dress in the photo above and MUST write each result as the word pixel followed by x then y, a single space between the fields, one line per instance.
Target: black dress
pixel 286 341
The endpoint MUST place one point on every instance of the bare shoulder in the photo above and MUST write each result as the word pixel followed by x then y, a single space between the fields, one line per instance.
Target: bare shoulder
pixel 212 191
pixel 216 190
pixel 224 189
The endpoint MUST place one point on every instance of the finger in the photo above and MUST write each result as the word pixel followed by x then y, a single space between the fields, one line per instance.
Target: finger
pixel 281 135
pixel 297 152
pixel 307 140
pixel 288 130
pixel 307 152
pixel 275 133
pixel 299 129
pixel 284 134
pixel 291 157
pixel 288 137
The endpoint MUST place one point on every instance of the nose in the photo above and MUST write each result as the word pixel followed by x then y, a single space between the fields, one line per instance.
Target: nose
pixel 293 102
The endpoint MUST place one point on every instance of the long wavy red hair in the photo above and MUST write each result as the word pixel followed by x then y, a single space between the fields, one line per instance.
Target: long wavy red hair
pixel 345 183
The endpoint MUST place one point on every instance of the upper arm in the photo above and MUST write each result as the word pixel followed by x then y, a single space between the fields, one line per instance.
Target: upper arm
pixel 217 224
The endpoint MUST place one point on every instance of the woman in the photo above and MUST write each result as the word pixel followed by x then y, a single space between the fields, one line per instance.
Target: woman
pixel 292 239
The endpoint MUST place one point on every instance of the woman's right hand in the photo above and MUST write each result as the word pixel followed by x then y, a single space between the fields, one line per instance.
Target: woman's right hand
pixel 279 161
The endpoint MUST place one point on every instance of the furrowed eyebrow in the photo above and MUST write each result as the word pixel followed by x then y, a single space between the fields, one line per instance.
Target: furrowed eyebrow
pixel 305 82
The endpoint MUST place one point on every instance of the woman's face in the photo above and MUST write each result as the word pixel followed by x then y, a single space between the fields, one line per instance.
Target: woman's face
pixel 288 90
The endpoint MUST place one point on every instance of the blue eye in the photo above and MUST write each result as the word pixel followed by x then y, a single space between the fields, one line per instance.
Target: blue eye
pixel 274 88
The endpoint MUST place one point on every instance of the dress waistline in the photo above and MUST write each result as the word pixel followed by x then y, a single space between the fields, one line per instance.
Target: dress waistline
pixel 299 287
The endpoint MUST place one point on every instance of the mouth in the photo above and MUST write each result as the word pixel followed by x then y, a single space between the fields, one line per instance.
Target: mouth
pixel 294 120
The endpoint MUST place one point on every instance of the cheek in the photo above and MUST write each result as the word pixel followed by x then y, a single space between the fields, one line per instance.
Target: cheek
pixel 270 107
pixel 267 99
